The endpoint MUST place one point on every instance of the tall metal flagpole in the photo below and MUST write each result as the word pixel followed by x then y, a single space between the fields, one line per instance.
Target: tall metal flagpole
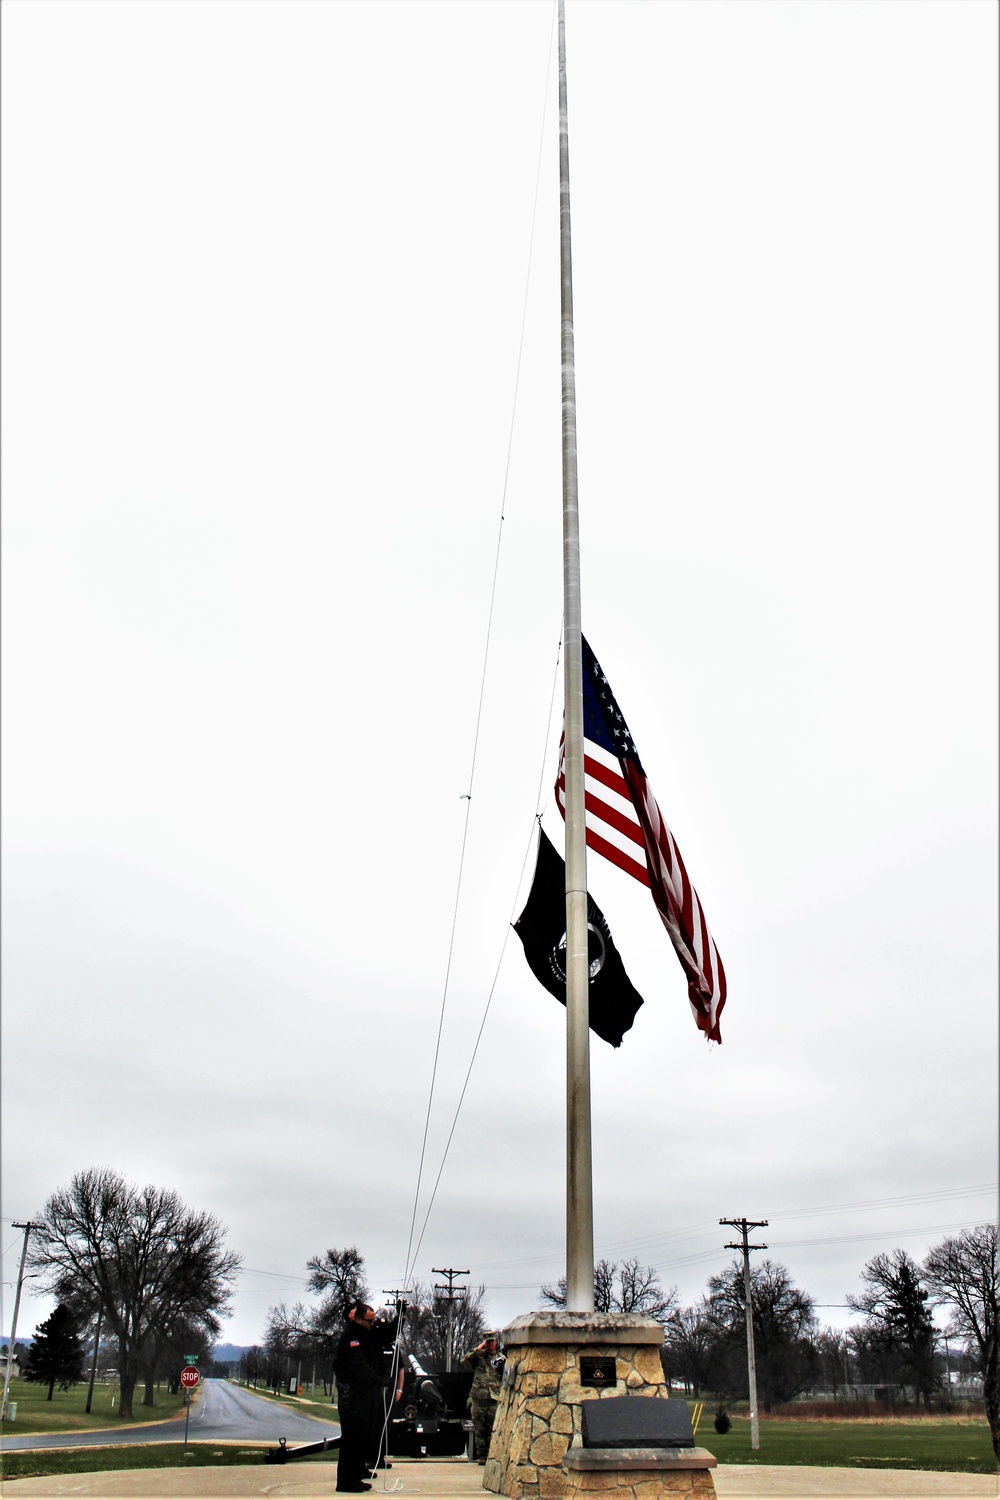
pixel 579 1175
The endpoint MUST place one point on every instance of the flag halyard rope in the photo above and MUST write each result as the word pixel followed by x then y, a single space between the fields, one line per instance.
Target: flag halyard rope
pixel 503 949
pixel 411 1254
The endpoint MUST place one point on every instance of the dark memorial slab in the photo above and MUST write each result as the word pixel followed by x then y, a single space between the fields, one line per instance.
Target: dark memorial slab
pixel 597 1374
pixel 636 1422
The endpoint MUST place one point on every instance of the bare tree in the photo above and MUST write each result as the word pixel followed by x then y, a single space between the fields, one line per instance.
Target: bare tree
pixel 172 1343
pixel 310 1333
pixel 622 1286
pixel 962 1275
pixel 895 1303
pixel 251 1365
pixel 784 1325
pixel 639 1291
pixel 834 1350
pixel 427 1324
pixel 140 1255
pixel 876 1355
pixel 340 1276
pixel 689 1347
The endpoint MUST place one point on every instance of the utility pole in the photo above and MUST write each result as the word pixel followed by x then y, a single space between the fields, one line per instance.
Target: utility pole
pixel 27 1227
pixel 454 1294
pixel 744 1226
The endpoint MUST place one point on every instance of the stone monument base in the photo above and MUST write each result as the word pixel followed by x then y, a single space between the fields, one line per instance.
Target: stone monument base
pixel 639 1473
pixel 538 1417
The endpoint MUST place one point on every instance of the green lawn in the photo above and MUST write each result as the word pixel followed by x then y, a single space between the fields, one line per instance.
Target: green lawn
pixel 957 1447
pixel 134 1456
pixel 65 1412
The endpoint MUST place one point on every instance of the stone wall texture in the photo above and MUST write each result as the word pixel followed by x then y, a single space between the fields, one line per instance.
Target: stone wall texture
pixel 642 1484
pixel 539 1418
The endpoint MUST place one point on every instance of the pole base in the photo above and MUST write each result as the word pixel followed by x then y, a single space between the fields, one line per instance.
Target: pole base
pixel 640 1473
pixel 538 1420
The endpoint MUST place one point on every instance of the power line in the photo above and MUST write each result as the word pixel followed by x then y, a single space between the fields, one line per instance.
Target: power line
pixel 697 1256
pixel 875 1234
pixel 281 1275
pixel 930 1197
pixel 706 1227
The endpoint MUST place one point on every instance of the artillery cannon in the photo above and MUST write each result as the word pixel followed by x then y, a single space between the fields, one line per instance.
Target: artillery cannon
pixel 431 1417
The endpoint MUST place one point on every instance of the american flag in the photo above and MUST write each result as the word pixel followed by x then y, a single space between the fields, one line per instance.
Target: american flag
pixel 626 826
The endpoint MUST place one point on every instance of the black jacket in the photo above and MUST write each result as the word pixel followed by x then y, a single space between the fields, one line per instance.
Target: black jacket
pixel 360 1361
pixel 353 1364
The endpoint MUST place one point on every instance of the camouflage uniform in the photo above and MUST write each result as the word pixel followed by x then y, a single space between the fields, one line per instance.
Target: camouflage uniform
pixel 486 1381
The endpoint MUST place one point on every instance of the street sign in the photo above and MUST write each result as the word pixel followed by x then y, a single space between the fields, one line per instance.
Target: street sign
pixel 189 1377
pixel 190 1359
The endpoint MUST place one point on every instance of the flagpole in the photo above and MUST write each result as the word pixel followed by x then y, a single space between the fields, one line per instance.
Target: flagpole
pixel 579 1173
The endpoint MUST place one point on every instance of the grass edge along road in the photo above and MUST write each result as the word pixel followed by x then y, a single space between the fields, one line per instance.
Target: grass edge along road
pixel 65 1412
pixel 41 1462
pixel 926 1445
pixel 320 1411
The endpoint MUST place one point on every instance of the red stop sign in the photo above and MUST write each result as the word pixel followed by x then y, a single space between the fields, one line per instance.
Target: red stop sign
pixel 189 1377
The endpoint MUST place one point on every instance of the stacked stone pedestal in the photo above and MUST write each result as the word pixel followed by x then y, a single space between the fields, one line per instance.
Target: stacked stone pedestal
pixel 538 1419
pixel 639 1473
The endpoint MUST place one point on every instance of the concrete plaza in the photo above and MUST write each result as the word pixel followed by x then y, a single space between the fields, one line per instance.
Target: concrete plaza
pixel 447 1480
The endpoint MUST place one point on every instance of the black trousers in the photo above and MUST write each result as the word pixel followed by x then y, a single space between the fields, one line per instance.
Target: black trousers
pixel 360 1420
pixel 381 1437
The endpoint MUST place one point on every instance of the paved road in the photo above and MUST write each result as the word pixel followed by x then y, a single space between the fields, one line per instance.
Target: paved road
pixel 223 1413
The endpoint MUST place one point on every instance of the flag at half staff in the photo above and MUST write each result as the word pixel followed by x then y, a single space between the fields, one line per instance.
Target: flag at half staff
pixel 613 999
pixel 625 825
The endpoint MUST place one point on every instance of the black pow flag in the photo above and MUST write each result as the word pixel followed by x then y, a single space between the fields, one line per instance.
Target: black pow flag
pixel 614 1000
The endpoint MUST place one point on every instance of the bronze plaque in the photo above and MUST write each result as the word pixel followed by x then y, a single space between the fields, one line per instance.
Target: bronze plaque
pixel 597 1373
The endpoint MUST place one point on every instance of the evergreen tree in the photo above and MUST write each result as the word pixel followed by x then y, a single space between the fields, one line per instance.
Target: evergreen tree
pixel 55 1353
pixel 896 1304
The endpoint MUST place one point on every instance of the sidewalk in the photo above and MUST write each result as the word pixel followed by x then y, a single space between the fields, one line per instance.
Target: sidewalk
pixel 448 1479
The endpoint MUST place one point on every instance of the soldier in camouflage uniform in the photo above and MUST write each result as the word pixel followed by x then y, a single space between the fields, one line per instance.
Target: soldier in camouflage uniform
pixel 487 1363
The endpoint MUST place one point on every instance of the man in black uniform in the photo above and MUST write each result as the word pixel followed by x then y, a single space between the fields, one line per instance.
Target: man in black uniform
pixel 359 1391
pixel 359 1366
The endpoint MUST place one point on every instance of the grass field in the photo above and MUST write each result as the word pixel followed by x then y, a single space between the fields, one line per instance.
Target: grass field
pixel 135 1456
pixel 953 1446
pixel 958 1447
pixel 65 1412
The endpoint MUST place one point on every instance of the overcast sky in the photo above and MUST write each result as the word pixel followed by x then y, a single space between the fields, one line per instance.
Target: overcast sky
pixel 266 268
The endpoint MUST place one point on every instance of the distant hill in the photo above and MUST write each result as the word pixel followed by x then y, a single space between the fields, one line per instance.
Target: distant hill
pixel 225 1354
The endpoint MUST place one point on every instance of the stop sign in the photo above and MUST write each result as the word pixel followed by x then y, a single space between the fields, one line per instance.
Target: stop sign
pixel 189 1377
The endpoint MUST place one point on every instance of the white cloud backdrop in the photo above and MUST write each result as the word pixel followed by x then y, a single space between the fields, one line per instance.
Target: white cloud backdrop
pixel 265 269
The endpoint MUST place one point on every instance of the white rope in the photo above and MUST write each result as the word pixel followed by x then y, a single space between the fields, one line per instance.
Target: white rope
pixel 410 1258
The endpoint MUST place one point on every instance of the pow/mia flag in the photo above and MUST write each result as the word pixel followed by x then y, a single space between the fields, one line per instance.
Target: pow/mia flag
pixel 541 927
